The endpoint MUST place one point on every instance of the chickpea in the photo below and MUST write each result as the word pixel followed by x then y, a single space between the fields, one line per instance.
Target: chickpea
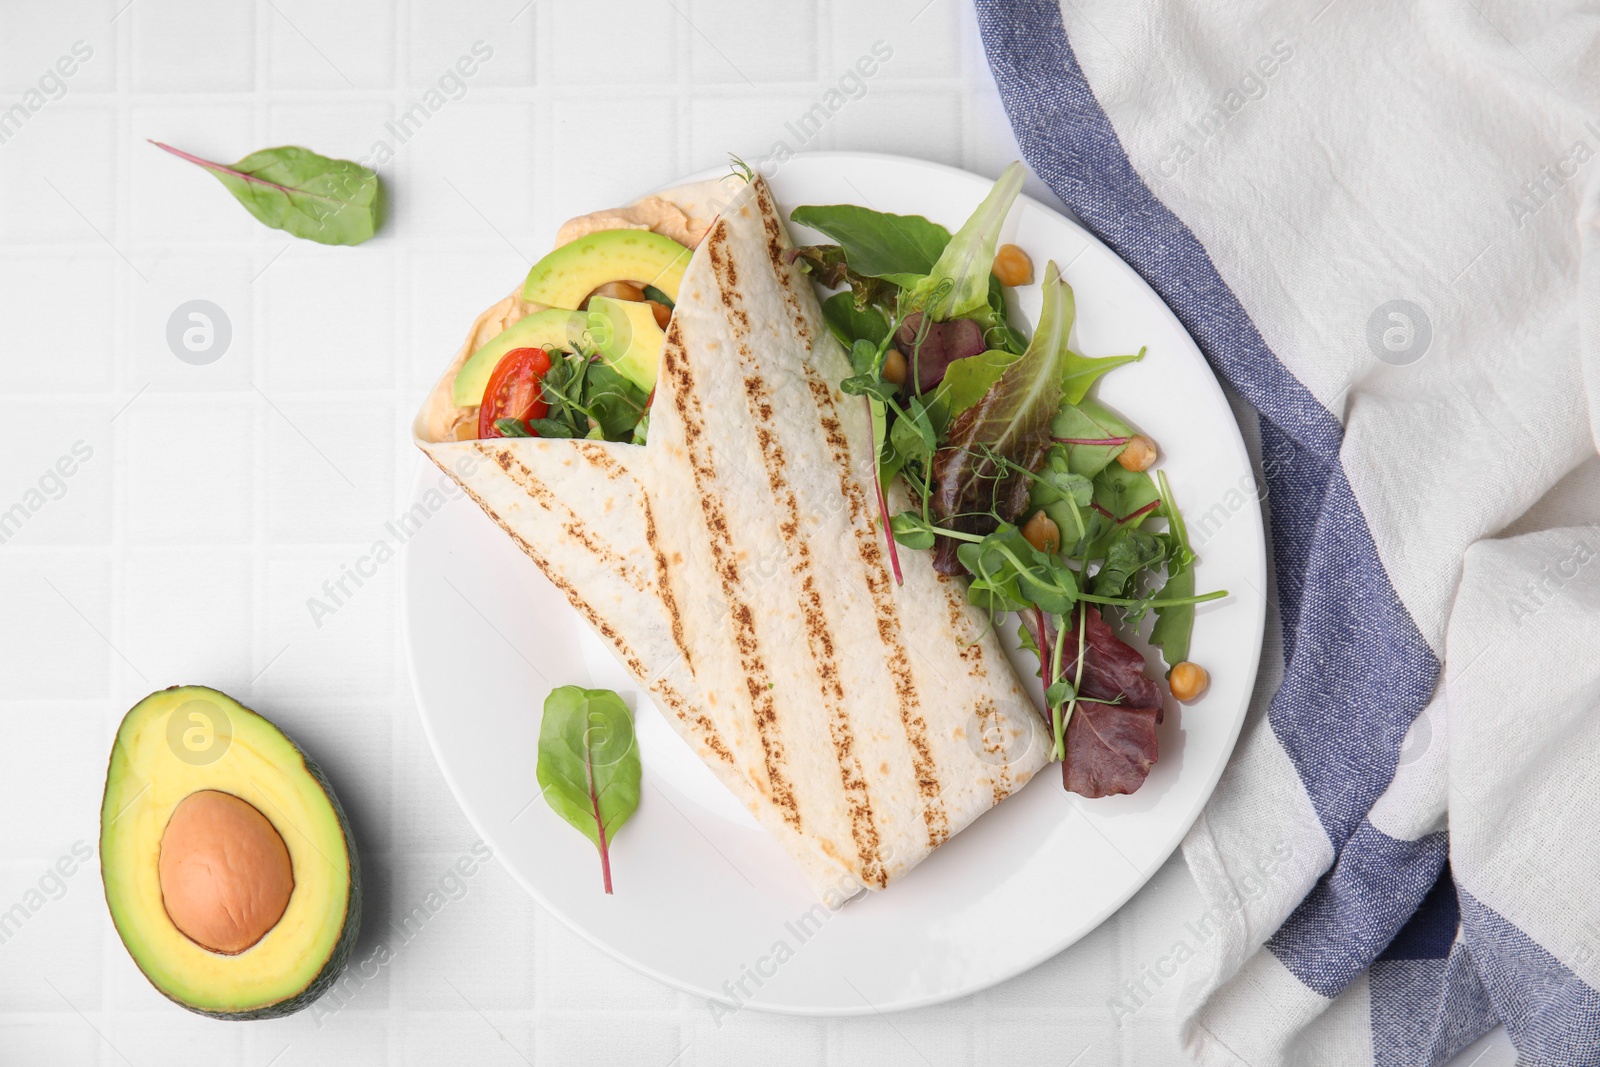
pixel 1139 455
pixel 894 366
pixel 1042 532
pixel 662 313
pixel 1187 681
pixel 1012 266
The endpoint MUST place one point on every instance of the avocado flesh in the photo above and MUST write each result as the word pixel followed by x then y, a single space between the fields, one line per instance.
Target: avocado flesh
pixel 628 338
pixel 553 328
pixel 564 277
pixel 306 949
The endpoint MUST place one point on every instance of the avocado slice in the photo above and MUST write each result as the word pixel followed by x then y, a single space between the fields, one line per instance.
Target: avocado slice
pixel 564 277
pixel 228 863
pixel 553 328
pixel 628 338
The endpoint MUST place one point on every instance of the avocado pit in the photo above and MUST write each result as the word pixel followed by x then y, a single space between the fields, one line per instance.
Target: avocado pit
pixel 225 872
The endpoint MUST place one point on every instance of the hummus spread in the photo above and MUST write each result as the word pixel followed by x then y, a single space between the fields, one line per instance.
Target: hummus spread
pixel 651 213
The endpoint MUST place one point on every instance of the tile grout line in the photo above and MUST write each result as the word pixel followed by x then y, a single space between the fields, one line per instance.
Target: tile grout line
pixel 261 623
pixel 123 349
pixel 120 48
pixel 394 1022
pixel 89 99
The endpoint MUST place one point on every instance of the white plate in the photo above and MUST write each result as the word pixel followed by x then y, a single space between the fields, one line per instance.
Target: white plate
pixel 705 900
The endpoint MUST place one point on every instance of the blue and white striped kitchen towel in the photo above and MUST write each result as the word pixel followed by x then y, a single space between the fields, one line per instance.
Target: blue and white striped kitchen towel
pixel 1379 222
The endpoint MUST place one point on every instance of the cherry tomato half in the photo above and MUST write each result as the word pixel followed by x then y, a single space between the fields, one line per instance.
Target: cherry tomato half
pixel 513 391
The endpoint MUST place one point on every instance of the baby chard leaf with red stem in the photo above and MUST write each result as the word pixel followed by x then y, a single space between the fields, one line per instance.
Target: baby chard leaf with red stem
pixel 330 201
pixel 588 764
pixel 1092 435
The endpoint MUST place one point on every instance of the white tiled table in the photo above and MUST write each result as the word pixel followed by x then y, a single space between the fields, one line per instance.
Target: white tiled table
pixel 217 499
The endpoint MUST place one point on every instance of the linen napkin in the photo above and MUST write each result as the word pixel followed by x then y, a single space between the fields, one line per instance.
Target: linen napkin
pixel 1378 221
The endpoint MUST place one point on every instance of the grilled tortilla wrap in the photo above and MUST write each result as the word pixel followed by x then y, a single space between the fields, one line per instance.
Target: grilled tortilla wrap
pixel 735 565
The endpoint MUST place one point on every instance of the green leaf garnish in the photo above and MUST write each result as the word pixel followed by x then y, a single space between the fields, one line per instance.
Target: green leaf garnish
pixel 898 248
pixel 556 428
pixel 588 765
pixel 878 414
pixel 590 399
pixel 868 385
pixel 330 201
pixel 864 357
pixel 1091 434
pixel 511 428
pixel 912 530
pixel 1175 622
pixel 850 324
pixel 913 437
pixel 1130 552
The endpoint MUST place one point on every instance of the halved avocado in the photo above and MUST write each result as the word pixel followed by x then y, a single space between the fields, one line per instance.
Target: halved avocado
pixel 229 866
pixel 628 338
pixel 564 277
pixel 553 328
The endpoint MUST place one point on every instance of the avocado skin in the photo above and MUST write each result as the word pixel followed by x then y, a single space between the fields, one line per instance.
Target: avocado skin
pixel 339 958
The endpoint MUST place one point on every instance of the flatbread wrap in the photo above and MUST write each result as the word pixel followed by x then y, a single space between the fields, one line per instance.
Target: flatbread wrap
pixel 735 563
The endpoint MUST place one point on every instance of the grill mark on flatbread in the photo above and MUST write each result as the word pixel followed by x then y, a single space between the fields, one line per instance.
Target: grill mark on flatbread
pixel 722 266
pixel 889 630
pixel 696 719
pixel 663 584
pixel 675 364
pixel 707 730
pixel 575 527
pixel 784 271
pixel 755 393
pixel 819 635
pixel 971 652
pixel 599 456
pixel 988 710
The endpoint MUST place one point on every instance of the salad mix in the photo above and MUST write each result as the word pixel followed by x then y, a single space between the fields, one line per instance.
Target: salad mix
pixel 999 461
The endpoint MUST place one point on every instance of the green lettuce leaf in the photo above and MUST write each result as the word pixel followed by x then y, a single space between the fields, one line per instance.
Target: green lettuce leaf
pixel 958 284
pixel 899 248
pixel 967 379
pixel 1081 372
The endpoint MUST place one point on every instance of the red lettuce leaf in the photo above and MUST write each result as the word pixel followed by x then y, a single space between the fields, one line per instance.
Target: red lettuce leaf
pixel 1110 747
pixel 942 343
